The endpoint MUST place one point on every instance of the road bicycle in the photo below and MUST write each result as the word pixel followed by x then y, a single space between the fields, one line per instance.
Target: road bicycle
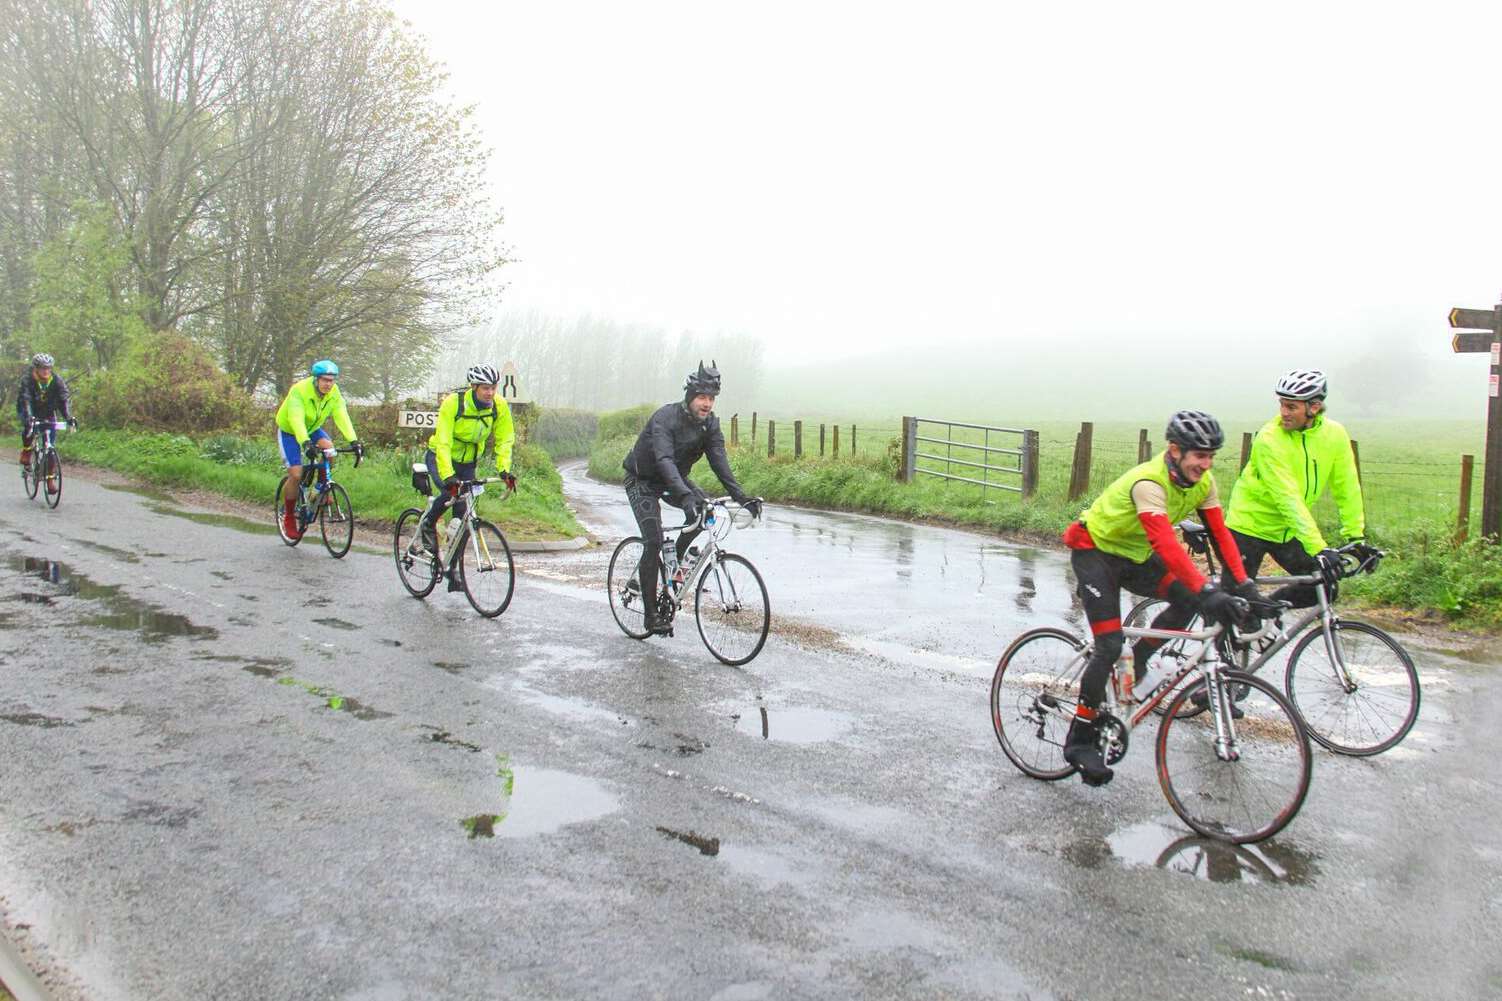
pixel 474 557
pixel 731 607
pixel 320 498
pixel 1237 777
pixel 44 472
pixel 1353 685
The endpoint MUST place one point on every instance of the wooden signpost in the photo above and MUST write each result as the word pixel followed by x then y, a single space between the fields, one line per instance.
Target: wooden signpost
pixel 1489 321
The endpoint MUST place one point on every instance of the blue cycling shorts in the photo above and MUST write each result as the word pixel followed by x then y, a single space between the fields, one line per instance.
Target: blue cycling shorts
pixel 291 450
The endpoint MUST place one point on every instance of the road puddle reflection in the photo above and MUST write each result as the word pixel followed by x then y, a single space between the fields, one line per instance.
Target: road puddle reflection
pixel 706 845
pixel 540 801
pixel 794 724
pixel 1154 844
pixel 122 611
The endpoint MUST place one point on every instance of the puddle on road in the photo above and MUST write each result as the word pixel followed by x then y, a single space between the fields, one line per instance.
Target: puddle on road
pixel 124 612
pixel 451 666
pixel 119 554
pixel 540 801
pixel 795 725
pixel 1154 844
pixel 706 845
pixel 337 624
pixel 165 503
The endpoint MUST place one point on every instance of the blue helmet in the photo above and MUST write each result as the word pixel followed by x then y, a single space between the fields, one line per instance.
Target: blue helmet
pixel 324 367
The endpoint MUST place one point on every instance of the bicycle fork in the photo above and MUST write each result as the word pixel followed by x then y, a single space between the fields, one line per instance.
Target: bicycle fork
pixel 1226 748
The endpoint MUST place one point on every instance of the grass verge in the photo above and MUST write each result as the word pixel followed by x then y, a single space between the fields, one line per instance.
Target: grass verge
pixel 249 469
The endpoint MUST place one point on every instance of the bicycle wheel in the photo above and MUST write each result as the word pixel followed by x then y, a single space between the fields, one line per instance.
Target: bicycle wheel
pixel 336 520
pixel 1256 794
pixel 622 584
pixel 30 478
pixel 732 609
pixel 1379 707
pixel 418 574
pixel 1141 617
pixel 52 485
pixel 1033 696
pixel 486 571
pixel 277 511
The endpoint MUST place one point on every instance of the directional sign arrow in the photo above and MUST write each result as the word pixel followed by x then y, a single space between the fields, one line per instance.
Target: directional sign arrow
pixel 1471 343
pixel 1473 319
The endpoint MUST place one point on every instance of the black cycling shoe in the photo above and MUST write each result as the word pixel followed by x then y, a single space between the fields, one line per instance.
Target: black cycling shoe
pixel 655 625
pixel 1082 750
pixel 455 584
pixel 1201 698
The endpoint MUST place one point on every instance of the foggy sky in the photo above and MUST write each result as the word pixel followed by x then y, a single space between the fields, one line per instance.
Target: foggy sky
pixel 1250 189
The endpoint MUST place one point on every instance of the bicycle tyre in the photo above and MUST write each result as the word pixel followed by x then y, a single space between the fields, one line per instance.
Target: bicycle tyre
pixel 626 603
pixel 277 510
pixel 334 511
pixel 52 485
pixel 1141 617
pixel 418 576
pixel 730 597
pixel 1378 714
pixel 29 478
pixel 487 594
pixel 1042 663
pixel 1212 795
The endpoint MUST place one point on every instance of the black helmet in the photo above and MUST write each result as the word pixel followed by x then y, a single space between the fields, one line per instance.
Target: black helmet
pixel 1195 429
pixel 706 380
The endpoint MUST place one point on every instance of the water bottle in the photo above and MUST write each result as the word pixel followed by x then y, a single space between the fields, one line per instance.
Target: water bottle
pixel 1124 676
pixel 670 560
pixel 1155 676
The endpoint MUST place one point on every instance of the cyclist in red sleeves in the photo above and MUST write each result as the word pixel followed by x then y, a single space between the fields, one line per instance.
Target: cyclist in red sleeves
pixel 1125 539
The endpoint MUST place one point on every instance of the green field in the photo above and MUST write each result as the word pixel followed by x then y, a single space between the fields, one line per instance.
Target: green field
pixel 249 470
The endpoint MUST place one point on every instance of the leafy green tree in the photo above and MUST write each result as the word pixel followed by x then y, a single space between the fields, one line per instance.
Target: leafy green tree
pixel 81 308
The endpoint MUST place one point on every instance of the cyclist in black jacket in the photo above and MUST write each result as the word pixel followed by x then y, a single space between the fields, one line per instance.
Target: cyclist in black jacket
pixel 657 467
pixel 43 396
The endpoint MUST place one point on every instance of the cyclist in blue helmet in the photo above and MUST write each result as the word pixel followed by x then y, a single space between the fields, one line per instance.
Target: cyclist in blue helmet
pixel 299 421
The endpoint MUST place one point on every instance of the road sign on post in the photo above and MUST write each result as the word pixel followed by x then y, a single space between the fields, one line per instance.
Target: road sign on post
pixel 510 388
pixel 1490 321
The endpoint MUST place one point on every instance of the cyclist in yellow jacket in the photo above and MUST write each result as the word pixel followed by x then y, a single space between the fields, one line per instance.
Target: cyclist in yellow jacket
pixel 299 421
pixel 1296 456
pixel 1125 540
pixel 466 420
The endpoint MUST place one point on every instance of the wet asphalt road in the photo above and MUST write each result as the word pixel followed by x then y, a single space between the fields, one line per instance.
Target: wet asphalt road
pixel 235 770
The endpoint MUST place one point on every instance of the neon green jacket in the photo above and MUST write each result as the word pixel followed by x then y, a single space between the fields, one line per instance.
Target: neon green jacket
pixel 1284 477
pixel 461 437
pixel 1112 520
pixel 304 411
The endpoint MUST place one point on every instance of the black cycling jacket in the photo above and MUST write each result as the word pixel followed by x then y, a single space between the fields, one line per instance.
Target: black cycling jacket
pixel 668 447
pixel 49 404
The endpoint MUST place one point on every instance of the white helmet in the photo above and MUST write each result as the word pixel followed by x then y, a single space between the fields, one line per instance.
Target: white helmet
pixel 482 375
pixel 1303 384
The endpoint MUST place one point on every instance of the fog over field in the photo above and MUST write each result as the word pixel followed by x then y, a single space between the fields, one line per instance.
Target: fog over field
pixel 1082 211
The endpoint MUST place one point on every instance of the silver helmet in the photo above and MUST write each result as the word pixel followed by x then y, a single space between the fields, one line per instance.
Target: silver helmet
pixel 1303 384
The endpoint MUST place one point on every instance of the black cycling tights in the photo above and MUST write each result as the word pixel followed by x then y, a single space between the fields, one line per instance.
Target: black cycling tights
pixel 1101 578
pixel 644 498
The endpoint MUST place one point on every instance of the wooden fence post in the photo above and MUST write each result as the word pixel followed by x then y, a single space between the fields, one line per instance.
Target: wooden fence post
pixel 821 441
pixel 771 437
pixel 907 467
pixel 735 431
pixel 1356 454
pixel 852 440
pixel 1029 463
pixel 1246 449
pixel 797 439
pixel 753 427
pixel 1079 477
pixel 836 441
pixel 1463 519
pixel 1144 447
